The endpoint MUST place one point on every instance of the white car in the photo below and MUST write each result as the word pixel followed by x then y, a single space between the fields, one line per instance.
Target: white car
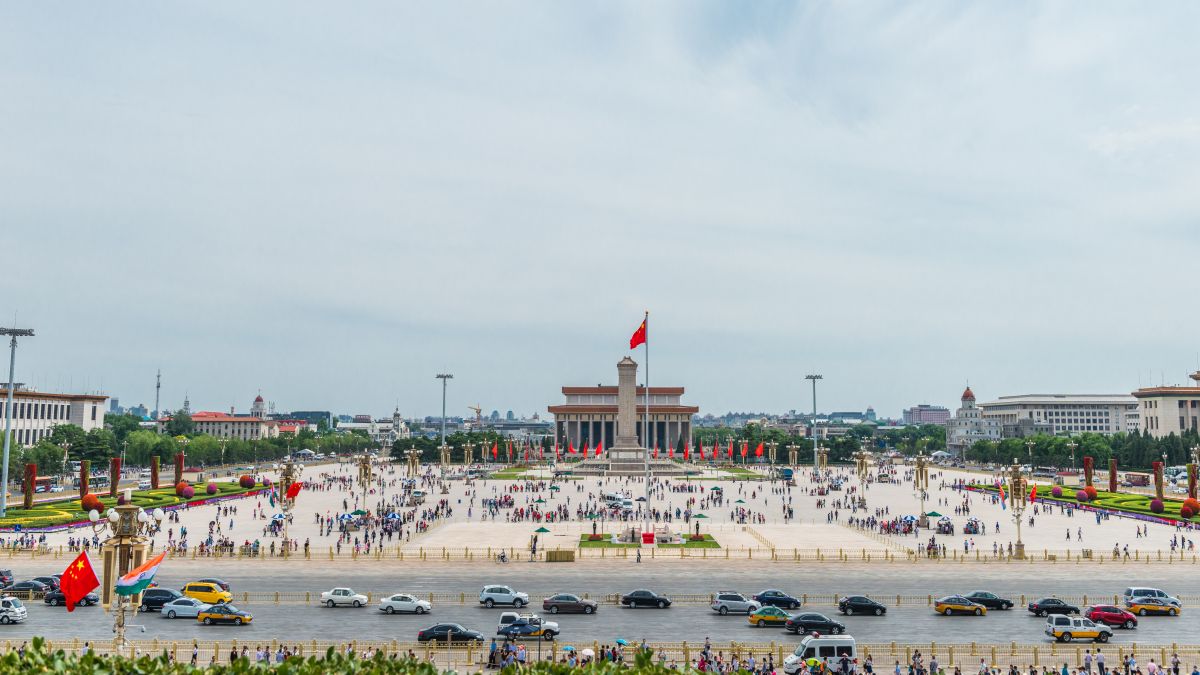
pixel 491 596
pixel 184 607
pixel 343 596
pixel 405 603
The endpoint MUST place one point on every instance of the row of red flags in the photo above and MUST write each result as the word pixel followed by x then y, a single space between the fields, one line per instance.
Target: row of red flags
pixel 713 453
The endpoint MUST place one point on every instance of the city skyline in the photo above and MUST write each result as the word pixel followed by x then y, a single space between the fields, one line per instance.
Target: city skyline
pixel 334 208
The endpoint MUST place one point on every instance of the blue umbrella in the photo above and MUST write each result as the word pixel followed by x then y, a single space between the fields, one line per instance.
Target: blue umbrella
pixel 345 516
pixel 622 642
pixel 277 516
pixel 567 648
pixel 392 516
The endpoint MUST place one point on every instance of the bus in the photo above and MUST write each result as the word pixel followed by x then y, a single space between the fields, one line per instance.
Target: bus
pixel 95 483
pixel 46 484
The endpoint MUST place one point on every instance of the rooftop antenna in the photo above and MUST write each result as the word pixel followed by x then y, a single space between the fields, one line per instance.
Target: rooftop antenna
pixel 157 391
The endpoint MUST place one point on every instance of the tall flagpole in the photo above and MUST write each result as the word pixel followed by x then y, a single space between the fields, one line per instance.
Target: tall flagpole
pixel 646 345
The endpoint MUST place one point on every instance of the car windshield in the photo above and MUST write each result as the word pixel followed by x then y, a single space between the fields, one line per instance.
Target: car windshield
pixel 16 603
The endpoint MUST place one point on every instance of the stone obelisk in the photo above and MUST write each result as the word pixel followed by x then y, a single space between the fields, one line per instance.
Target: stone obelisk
pixel 626 450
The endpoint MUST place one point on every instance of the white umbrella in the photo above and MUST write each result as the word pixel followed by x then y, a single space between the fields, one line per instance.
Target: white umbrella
pixel 588 652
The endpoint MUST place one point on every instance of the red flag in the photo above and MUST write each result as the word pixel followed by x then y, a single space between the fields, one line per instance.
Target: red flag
pixel 293 490
pixel 700 447
pixel 599 448
pixel 495 450
pixel 758 450
pixel 655 451
pixel 570 447
pixel 639 336
pixel 745 448
pixel 671 452
pixel 526 455
pixel 77 581
pixel 731 448
pixel 687 451
pixel 1033 495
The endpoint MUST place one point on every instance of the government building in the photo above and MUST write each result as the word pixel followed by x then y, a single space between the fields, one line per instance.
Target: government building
pixel 588 416
pixel 1169 410
pixel 1063 414
pixel 35 413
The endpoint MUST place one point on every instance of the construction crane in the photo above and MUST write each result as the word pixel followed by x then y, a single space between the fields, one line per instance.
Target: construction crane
pixel 478 415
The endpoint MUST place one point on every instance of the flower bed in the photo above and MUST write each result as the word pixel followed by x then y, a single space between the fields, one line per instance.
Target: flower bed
pixel 1117 502
pixel 69 511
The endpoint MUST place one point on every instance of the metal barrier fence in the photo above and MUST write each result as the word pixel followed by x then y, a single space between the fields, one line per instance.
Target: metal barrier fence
pixel 967 656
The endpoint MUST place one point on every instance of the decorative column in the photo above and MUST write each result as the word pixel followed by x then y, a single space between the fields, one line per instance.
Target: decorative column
pixel 114 475
pixel 1158 480
pixel 1191 474
pixel 85 473
pixel 1112 475
pixel 1089 467
pixel 30 484
pixel 154 462
pixel 178 467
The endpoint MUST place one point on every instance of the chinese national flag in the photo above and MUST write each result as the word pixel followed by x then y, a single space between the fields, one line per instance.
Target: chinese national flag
pixel 671 452
pixel 758 450
pixel 639 336
pixel 293 490
pixel 700 448
pixel 78 580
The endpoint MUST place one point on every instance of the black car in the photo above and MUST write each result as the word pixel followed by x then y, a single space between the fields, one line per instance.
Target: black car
pixel 644 598
pixel 811 621
pixel 451 632
pixel 860 604
pixel 989 600
pixel 57 597
pixel 153 599
pixel 51 582
pixel 27 587
pixel 1052 606
pixel 777 598
pixel 220 582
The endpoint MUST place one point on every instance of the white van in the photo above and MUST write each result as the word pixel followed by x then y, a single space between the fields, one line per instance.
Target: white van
pixel 11 610
pixel 830 649
pixel 613 499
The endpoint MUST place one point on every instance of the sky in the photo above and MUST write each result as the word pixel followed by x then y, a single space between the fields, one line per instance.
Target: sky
pixel 331 203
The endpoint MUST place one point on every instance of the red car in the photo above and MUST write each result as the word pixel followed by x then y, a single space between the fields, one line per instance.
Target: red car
pixel 1112 616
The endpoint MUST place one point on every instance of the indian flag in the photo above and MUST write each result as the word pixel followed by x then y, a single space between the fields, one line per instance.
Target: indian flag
pixel 139 579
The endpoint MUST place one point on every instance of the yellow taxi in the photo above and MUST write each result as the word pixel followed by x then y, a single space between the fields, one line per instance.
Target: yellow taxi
pixel 207 592
pixel 769 615
pixel 1066 629
pixel 224 614
pixel 1150 605
pixel 957 604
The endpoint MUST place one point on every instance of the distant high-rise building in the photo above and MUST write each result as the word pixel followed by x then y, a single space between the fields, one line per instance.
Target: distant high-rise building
pixel 140 410
pixel 870 414
pixel 510 416
pixel 114 405
pixel 495 415
pixel 926 414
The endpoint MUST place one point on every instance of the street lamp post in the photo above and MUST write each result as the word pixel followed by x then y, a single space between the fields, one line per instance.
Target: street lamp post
pixel 921 485
pixel 445 457
pixel 1071 445
pixel 813 378
pixel 1017 499
pixel 364 476
pixel 444 377
pixel 793 454
pixel 289 472
pixel 125 549
pixel 1029 445
pixel 13 334
pixel 862 460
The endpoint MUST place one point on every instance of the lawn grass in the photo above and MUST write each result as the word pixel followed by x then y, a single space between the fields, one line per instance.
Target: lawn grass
pixel 49 514
pixel 708 542
pixel 1138 504
pixel 584 542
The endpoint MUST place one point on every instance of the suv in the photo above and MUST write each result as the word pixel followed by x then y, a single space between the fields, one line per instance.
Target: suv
pixel 11 610
pixel 731 601
pixel 491 596
pixel 1136 592
pixel 155 598
pixel 1065 629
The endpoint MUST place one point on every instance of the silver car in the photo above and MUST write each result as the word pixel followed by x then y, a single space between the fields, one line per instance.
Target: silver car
pixel 184 607
pixel 725 602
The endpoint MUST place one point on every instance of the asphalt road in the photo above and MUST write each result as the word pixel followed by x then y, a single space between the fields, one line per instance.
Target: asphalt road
pixel 683 622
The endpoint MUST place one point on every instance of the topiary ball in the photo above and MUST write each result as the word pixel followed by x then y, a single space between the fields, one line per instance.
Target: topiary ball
pixel 266 482
pixel 211 489
pixel 1186 513
pixel 1056 491
pixel 1156 506
pixel 91 502
pixel 246 482
pixel 1193 504
pixel 179 488
pixel 1081 496
pixel 187 492
pixel 1091 491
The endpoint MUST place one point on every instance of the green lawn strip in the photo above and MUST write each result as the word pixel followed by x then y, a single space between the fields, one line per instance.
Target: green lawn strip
pixel 49 514
pixel 584 542
pixel 1112 501
pixel 708 542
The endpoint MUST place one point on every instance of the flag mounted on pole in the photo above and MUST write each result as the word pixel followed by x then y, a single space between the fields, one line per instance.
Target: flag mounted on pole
pixel 495 450
pixel 1003 497
pixel 639 336
pixel 139 579
pixel 599 447
pixel 758 451
pixel 294 489
pixel 77 581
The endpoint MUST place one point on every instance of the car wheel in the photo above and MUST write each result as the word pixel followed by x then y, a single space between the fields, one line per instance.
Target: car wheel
pixel 420 609
pixel 170 614
pixel 761 623
pixel 548 637
pixel 1007 605
pixel 1039 613
pixel 489 603
pixel 588 609
pixel 53 602
pixel 723 611
pixel 1066 637
pixel 207 621
pixel 554 609
pixel 357 603
pixel 388 610
pixel 947 611
pixel 978 612
pixel 1142 612
pixel 662 605
pixel 143 609
pixel 237 621
pixel 1129 624
pixel 849 611
pixel 518 603
pixel 1172 611
pixel 794 605
pixel 836 630
pixel 878 611
pixel 1103 637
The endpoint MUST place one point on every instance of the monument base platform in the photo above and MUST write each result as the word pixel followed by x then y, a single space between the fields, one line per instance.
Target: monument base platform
pixel 627 466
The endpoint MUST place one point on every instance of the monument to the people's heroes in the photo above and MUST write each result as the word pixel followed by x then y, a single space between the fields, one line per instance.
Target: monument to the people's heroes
pixel 627 456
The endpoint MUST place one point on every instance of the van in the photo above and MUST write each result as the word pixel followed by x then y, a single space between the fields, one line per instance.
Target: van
pixel 829 649
pixel 1144 592
pixel 144 485
pixel 11 610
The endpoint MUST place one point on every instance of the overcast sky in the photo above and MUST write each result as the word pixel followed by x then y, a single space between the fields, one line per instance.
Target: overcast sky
pixel 334 202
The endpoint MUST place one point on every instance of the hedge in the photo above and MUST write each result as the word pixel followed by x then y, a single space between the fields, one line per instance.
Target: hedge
pixel 1112 501
pixel 49 514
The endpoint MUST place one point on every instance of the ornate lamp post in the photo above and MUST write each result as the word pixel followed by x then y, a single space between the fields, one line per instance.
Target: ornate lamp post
pixel 862 466
pixel 823 458
pixel 793 454
pixel 364 476
pixel 413 456
pixel 921 485
pixel 468 453
pixel 444 451
pixel 772 448
pixel 1029 446
pixel 289 471
pixel 1071 445
pixel 122 551
pixel 1018 498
